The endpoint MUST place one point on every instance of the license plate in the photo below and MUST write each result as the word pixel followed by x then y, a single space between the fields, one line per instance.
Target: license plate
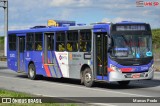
pixel 136 76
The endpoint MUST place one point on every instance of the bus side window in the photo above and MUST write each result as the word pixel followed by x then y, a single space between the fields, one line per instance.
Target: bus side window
pixel 61 47
pixel 85 40
pixel 72 41
pixel 83 46
pixel 39 47
pixel 88 48
pixel 60 41
pixel 12 42
pixel 38 40
pixel 75 46
pixel 30 42
pixel 30 46
pixel 69 47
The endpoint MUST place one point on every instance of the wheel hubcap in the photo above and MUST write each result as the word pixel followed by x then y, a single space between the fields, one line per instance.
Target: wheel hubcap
pixel 87 77
pixel 31 72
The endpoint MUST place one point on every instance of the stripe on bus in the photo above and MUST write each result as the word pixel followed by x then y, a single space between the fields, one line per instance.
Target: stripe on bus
pixel 52 68
pixel 58 64
pixel 46 68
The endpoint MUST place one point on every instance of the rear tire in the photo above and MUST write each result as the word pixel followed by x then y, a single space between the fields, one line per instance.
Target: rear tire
pixel 32 71
pixel 123 83
pixel 88 77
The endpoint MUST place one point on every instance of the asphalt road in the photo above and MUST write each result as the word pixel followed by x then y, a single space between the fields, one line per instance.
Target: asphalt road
pixel 51 87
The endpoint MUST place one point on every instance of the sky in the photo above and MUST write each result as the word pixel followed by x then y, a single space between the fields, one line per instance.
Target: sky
pixel 28 13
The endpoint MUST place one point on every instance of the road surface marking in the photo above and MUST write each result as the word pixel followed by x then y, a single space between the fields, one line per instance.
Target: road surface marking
pixel 99 104
pixel 82 87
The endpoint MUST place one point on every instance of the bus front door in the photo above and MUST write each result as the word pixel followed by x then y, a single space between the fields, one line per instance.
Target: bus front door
pixel 100 49
pixel 20 52
pixel 49 48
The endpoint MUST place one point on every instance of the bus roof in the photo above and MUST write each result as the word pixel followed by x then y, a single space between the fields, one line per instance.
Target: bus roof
pixel 47 29
pixel 104 26
pixel 61 28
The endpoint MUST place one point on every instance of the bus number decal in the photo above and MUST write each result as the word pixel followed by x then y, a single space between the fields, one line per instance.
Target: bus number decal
pixel 12 55
pixel 144 68
pixel 27 54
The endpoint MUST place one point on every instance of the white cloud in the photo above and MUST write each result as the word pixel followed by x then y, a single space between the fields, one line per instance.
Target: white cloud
pixel 37 12
pixel 65 14
pixel 114 20
pixel 60 3
pixel 70 3
pixel 19 27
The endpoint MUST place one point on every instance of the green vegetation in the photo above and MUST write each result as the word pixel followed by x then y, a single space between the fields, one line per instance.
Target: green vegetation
pixel 156 47
pixel 6 93
pixel 1 43
pixel 156 38
pixel 1 39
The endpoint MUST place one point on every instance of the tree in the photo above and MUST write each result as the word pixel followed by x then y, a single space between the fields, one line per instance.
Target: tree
pixel 156 38
pixel 1 43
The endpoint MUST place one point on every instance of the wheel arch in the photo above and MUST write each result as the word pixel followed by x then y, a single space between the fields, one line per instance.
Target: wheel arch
pixel 31 62
pixel 84 66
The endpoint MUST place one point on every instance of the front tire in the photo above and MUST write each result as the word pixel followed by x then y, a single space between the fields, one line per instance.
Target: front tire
pixel 123 83
pixel 88 77
pixel 32 72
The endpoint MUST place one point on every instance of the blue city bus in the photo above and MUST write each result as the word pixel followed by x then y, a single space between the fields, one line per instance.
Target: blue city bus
pixel 109 52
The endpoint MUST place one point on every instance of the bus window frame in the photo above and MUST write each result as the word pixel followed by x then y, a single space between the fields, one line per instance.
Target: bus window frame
pixel 90 40
pixel 38 41
pixel 33 41
pixel 14 42
pixel 61 41
pixel 72 40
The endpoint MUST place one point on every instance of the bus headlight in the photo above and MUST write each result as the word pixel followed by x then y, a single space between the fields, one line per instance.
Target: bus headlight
pixel 114 68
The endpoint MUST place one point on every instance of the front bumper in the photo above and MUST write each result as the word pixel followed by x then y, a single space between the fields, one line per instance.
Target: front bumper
pixel 119 76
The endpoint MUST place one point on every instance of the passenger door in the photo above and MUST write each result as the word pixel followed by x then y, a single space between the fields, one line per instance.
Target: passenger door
pixel 49 48
pixel 20 52
pixel 100 49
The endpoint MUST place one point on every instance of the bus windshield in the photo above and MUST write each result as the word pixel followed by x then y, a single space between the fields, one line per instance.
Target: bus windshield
pixel 132 46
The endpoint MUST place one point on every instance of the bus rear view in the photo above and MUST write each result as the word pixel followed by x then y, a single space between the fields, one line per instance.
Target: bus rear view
pixel 131 56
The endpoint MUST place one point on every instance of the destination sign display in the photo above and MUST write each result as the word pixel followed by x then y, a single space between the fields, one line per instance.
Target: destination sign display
pixel 130 28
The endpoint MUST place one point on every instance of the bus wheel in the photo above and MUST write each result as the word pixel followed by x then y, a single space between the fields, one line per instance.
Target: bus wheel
pixel 123 83
pixel 32 72
pixel 88 78
pixel 81 76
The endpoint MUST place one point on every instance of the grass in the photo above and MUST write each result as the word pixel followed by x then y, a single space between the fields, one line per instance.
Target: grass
pixel 7 93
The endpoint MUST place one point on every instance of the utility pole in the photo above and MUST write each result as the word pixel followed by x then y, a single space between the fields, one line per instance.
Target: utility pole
pixel 5 6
